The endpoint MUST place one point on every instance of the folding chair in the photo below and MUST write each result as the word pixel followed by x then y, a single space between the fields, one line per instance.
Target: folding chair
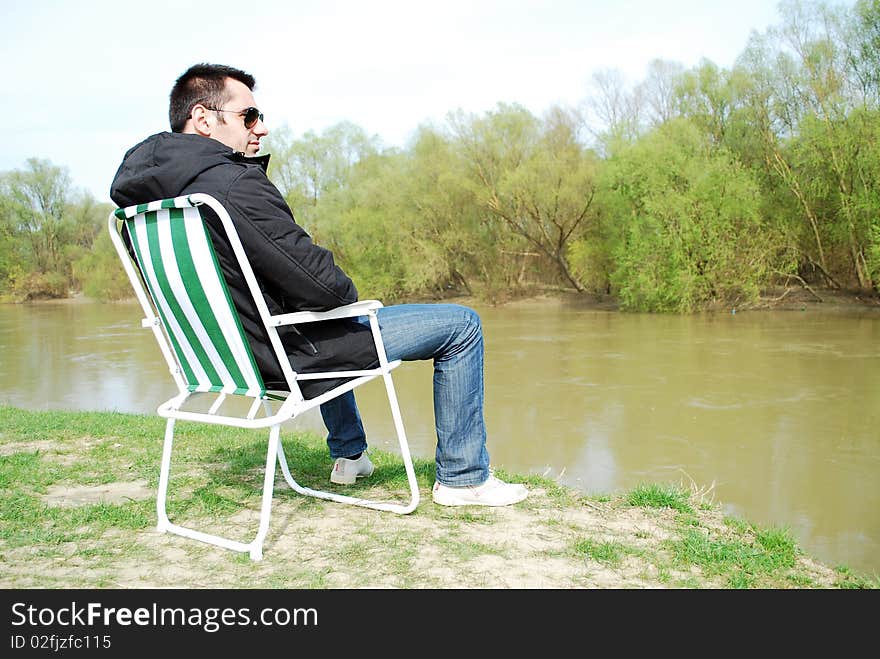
pixel 187 304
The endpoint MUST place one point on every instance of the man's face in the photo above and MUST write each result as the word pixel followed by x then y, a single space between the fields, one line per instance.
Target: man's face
pixel 231 131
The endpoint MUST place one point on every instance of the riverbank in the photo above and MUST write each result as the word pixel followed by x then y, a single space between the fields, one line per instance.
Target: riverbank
pixel 791 298
pixel 783 299
pixel 78 506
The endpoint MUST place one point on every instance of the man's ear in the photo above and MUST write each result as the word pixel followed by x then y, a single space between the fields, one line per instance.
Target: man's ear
pixel 201 120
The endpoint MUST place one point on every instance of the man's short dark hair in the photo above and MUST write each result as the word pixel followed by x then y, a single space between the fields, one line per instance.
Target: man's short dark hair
pixel 202 84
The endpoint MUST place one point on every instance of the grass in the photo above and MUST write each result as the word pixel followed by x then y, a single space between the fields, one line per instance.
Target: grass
pixel 660 496
pixel 741 562
pixel 604 552
pixel 657 535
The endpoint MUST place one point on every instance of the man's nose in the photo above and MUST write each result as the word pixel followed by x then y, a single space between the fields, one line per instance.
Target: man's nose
pixel 260 128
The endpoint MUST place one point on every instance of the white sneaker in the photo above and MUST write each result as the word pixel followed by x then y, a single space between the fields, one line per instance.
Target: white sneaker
pixel 493 492
pixel 346 472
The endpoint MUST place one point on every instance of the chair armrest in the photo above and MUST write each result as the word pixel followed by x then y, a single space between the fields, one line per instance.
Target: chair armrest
pixel 361 308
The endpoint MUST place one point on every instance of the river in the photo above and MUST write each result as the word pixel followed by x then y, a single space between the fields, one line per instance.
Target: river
pixel 774 414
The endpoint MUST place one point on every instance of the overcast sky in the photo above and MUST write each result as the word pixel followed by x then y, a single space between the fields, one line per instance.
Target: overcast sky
pixel 84 80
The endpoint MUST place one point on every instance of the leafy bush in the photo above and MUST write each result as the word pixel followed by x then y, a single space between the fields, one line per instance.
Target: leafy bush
pixel 689 233
pixel 27 286
pixel 100 273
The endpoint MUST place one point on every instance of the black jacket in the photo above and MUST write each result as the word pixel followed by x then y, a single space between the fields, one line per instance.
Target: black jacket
pixel 294 273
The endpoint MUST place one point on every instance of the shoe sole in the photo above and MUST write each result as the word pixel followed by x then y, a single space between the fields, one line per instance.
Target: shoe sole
pixel 462 502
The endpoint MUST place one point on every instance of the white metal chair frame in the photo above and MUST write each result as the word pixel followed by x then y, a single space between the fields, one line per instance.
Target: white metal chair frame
pixel 293 404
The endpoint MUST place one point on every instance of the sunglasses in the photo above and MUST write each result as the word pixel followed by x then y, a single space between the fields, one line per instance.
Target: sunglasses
pixel 250 115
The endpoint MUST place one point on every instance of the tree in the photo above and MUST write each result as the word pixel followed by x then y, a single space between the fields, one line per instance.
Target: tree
pixel 308 168
pixel 37 201
pixel 862 49
pixel 772 113
pixel 471 253
pixel 658 91
pixel 688 222
pixel 615 109
pixel 534 176
pixel 707 96
pixel 807 99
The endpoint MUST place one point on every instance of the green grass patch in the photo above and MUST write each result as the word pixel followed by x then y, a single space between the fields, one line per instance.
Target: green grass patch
pixel 740 562
pixel 609 552
pixel 851 580
pixel 466 550
pixel 660 496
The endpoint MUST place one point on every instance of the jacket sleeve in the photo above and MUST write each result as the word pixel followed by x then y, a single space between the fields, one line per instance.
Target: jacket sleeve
pixel 290 267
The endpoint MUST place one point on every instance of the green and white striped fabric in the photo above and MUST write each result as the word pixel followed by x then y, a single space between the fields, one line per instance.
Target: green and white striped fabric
pixel 180 268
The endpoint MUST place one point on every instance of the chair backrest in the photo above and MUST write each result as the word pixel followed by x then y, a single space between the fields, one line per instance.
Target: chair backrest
pixel 189 293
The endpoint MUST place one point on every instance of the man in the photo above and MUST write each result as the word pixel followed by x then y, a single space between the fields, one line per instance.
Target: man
pixel 216 132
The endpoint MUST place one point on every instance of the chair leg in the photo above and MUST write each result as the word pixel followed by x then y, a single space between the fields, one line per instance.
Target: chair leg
pixel 256 551
pixel 401 439
pixel 255 547
pixel 357 501
pixel 163 523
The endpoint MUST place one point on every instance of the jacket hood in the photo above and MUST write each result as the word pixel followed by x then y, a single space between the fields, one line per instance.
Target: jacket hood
pixel 165 164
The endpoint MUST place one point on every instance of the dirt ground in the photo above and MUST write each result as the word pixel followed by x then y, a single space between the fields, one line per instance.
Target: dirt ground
pixel 326 545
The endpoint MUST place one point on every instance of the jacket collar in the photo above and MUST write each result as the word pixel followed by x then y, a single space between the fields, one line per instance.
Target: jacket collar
pixel 262 161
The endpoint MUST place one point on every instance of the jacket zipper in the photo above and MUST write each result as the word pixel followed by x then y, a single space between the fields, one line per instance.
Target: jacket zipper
pixel 307 340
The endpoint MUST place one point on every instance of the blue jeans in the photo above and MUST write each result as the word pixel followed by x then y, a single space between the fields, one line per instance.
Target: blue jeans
pixel 452 336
